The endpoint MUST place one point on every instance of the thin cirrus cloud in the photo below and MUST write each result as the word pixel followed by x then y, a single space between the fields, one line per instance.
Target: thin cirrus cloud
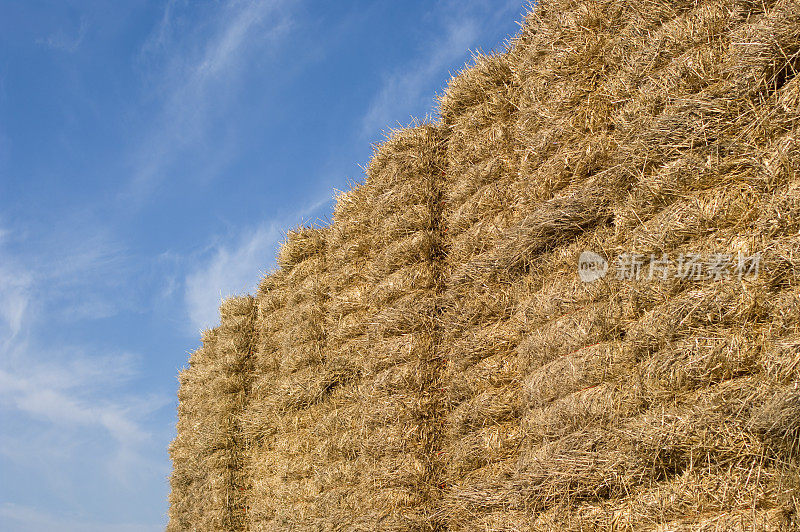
pixel 65 406
pixel 78 268
pixel 72 388
pixel 30 519
pixel 72 394
pixel 15 285
pixel 227 270
pixel 66 41
pixel 199 73
pixel 408 91
pixel 53 395
pixel 404 92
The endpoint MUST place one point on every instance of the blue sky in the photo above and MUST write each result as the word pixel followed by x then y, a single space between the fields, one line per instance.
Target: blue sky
pixel 152 154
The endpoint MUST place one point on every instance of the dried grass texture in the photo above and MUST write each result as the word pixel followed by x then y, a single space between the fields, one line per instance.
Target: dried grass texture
pixel 208 480
pixel 431 360
pixel 683 174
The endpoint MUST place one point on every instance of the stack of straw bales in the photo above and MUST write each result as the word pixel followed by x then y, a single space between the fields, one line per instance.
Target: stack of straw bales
pixel 482 406
pixel 375 432
pixel 432 360
pixel 399 395
pixel 290 386
pixel 647 128
pixel 209 480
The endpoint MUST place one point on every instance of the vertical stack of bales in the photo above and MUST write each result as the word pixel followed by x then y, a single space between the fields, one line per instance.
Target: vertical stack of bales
pixel 291 384
pixel 208 480
pixel 339 428
pixel 400 393
pixel 342 418
pixel 721 178
pixel 383 257
pixel 481 432
pixel 568 354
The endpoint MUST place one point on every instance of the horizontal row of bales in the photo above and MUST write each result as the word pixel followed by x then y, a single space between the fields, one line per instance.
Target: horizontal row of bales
pixel 432 359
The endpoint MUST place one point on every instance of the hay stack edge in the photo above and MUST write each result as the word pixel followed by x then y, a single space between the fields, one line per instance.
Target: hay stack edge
pixel 432 361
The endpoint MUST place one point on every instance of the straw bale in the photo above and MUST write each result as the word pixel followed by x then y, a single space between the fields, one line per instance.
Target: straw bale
pixel 413 249
pixel 488 171
pixel 398 223
pixel 727 305
pixel 553 222
pixel 302 349
pixel 346 299
pixel 778 419
pixel 491 444
pixel 401 282
pixel 271 294
pixel 476 238
pixel 475 344
pixel 482 85
pixel 351 325
pixel 600 405
pixel 780 361
pixel 410 313
pixel 405 156
pixel 491 405
pixel 764 55
pixel 488 201
pixel 689 501
pixel 582 327
pixel 349 239
pixel 300 244
pixel 307 387
pixel 603 462
pixel 463 388
pixel 307 280
pixel 576 370
pixel 467 306
pixel 705 358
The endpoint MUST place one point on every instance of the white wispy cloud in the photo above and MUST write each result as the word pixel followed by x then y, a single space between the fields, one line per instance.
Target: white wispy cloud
pixel 21 518
pixel 57 395
pixel 405 92
pixel 15 286
pixel 72 392
pixel 76 267
pixel 67 407
pixel 72 388
pixel 67 41
pixel 231 269
pixel 199 72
